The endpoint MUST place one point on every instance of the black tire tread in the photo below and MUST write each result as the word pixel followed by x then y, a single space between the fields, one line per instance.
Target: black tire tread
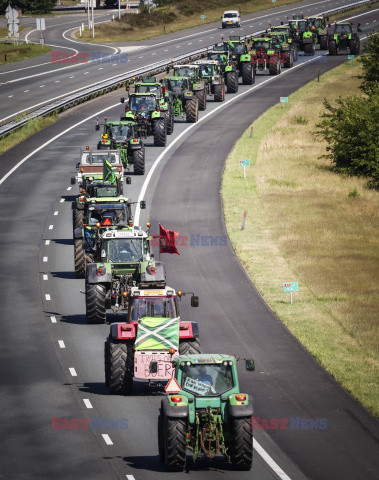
pixel 189 347
pixel 232 82
pixel 121 367
pixel 247 74
pixel 159 132
pixel 219 93
pixel 192 111
pixel 175 443
pixel 79 258
pixel 241 443
pixel 95 303
pixel 139 161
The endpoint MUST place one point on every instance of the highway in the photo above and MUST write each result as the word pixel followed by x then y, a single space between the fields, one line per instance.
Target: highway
pixel 52 361
pixel 23 90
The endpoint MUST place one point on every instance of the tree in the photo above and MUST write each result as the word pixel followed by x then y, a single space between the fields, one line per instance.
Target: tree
pixel 33 6
pixel 370 64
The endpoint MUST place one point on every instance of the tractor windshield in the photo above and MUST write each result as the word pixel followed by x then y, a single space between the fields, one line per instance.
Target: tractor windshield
pixel 315 22
pixel 105 191
pixel 105 215
pixel 238 48
pixel 122 250
pixel 99 158
pixel 207 380
pixel 297 26
pixel 185 72
pixel 207 70
pixel 342 29
pixel 230 15
pixel 261 45
pixel 120 132
pixel 152 307
pixel 143 103
pixel 219 57
pixel 176 85
pixel 148 89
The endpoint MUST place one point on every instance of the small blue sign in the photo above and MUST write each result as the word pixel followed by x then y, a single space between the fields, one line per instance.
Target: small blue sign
pixel 291 287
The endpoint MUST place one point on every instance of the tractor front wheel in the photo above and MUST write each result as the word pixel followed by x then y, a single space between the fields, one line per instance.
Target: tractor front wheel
pixel 219 93
pixel 248 77
pixel 139 161
pixel 77 218
pixel 232 82
pixel 323 40
pixel 175 443
pixel 159 132
pixel 170 121
pixel 202 99
pixel 79 258
pixel 95 303
pixel 192 111
pixel 333 50
pixel 119 367
pixel 188 348
pixel 241 443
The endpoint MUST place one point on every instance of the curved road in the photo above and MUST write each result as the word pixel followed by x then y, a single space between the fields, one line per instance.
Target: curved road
pixel 52 362
pixel 23 90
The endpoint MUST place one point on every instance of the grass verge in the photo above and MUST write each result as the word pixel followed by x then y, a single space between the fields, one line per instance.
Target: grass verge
pixel 18 136
pixel 308 224
pixel 14 53
pixel 183 15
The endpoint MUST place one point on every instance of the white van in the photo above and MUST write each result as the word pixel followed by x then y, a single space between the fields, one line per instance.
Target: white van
pixel 231 18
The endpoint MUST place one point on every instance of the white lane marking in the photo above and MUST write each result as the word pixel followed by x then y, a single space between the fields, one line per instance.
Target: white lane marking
pixel 73 372
pixel 211 37
pixel 193 125
pixel 41 86
pixel 107 439
pixel 62 200
pixel 178 46
pixel 140 57
pixel 45 259
pixel 87 403
pixel 153 53
pixel 72 76
pixel 56 212
pixel 69 188
pixel 266 457
pixel 45 277
pixel 85 73
pixel 166 50
pixel 201 40
pixel 260 23
pixel 51 227
pixel 101 68
pixel 47 297
pixel 61 344
pixel 10 96
pixel 190 43
pixel 47 242
pixel 26 91
pixel 130 477
pixel 57 81
pixel 53 319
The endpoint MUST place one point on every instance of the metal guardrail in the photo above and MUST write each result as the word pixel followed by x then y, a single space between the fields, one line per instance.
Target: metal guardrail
pixel 106 86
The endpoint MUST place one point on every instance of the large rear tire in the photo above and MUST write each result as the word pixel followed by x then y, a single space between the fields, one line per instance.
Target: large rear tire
pixel 232 82
pixel 175 443
pixel 248 77
pixel 191 347
pixel 77 218
pixel 139 161
pixel 170 121
pixel 95 303
pixel 354 46
pixel 333 50
pixel 192 111
pixel 241 443
pixel 274 67
pixel 219 93
pixel 159 132
pixel 119 367
pixel 309 48
pixel 201 98
pixel 79 258
pixel 289 60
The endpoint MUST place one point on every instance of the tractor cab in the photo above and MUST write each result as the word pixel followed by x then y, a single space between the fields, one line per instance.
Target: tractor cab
pixel 120 132
pixel 177 84
pixel 261 45
pixel 316 22
pixel 343 29
pixel 189 71
pixel 142 103
pixel 297 27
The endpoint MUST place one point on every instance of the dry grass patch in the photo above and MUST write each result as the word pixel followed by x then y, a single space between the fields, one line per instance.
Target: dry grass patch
pixel 308 224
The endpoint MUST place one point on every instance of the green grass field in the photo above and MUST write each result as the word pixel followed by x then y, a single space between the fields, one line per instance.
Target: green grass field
pixel 308 224
pixel 14 53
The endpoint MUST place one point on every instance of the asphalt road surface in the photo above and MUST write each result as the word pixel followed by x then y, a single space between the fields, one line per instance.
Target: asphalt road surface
pixel 22 88
pixel 51 361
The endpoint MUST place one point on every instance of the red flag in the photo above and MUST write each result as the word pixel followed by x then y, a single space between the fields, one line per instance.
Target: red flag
pixel 168 240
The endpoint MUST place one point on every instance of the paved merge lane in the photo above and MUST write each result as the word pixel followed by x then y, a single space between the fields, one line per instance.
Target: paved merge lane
pixel 66 78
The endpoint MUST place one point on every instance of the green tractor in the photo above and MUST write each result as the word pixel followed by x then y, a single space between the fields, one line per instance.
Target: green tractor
pixel 96 215
pixel 297 28
pixel 210 72
pixel 143 346
pixel 284 45
pixel 241 59
pixel 266 55
pixel 183 99
pixel 317 24
pixel 207 414
pixel 123 260
pixel 122 136
pixel 152 85
pixel 221 54
pixel 191 71
pixel 144 110
pixel 343 38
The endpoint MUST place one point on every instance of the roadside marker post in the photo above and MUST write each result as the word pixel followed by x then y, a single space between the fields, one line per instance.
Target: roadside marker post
pixel 243 221
pixel 291 287
pixel 251 132
pixel 244 164
pixel 283 100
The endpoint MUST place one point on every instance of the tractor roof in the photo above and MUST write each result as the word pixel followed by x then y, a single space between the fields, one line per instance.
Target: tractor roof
pixel 121 122
pixel 145 94
pixel 125 232
pixel 107 205
pixel 204 358
pixel 206 62
pixel 261 39
pixel 151 292
pixel 186 65
pixel 178 77
pixel 101 200
pixel 154 84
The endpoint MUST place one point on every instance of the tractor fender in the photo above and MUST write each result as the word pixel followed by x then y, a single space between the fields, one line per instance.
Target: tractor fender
pixel 155 115
pixel 158 276
pixel 115 333
pixel 238 411
pixel 173 412
pixel 78 233
pixel 245 58
pixel 93 277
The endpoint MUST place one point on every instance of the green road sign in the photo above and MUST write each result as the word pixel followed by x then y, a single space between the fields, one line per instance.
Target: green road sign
pixel 284 99
pixel 202 17
pixel 350 57
pixel 244 163
pixel 291 287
